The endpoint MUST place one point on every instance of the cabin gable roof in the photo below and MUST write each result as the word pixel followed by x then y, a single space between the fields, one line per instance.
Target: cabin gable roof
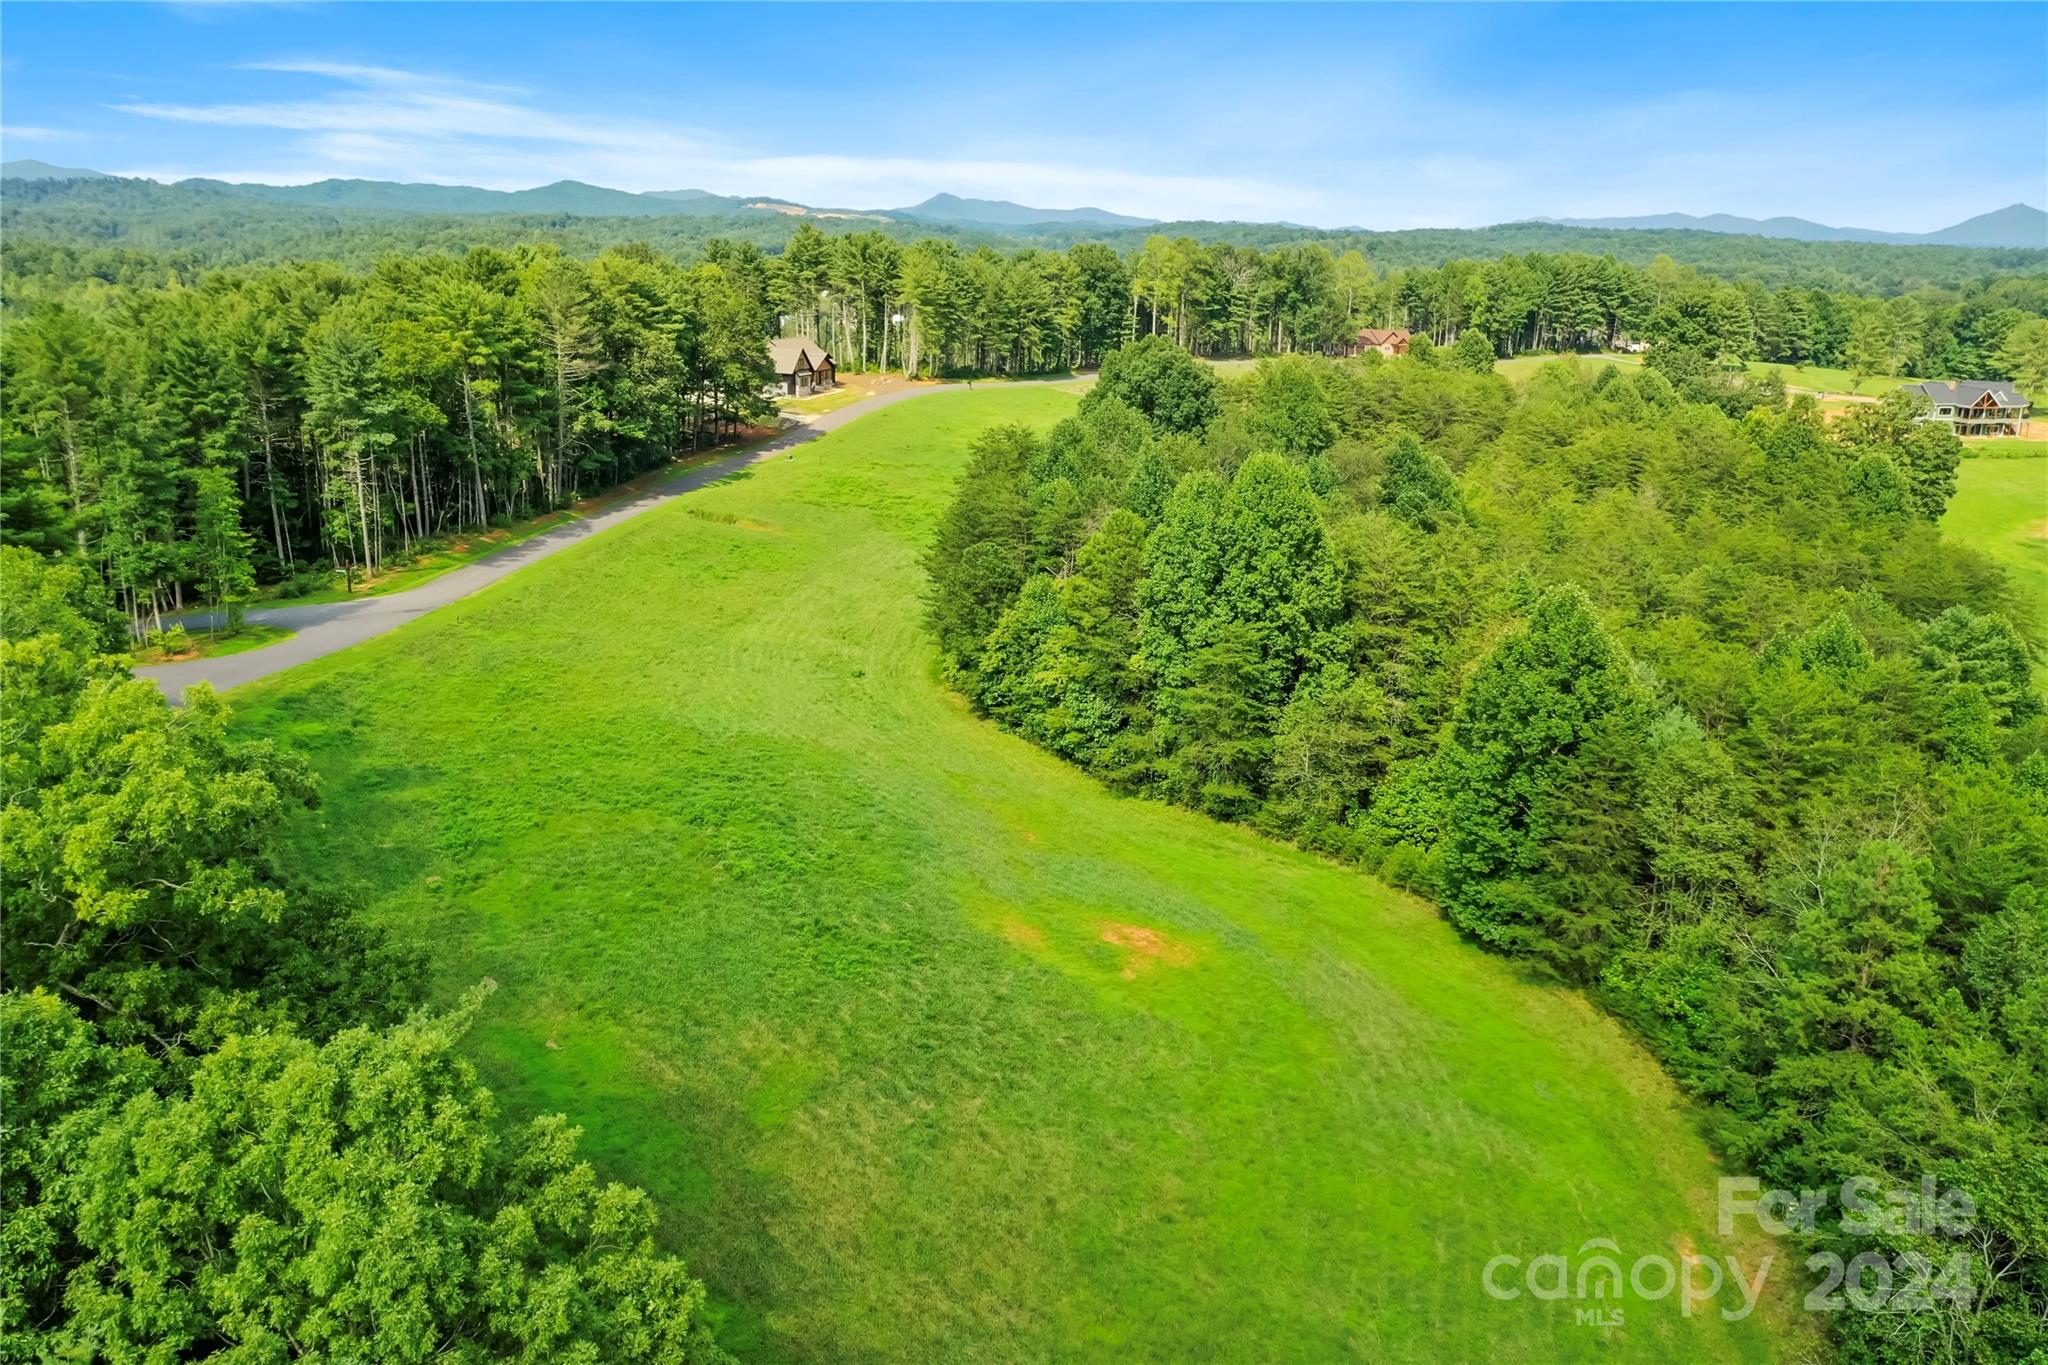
pixel 795 355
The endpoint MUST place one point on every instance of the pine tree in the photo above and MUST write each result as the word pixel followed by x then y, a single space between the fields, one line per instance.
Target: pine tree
pixel 1419 487
pixel 1548 698
pixel 219 545
pixel 1279 579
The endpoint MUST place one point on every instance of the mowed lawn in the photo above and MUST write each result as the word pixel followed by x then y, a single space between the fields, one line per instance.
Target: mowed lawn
pixel 931 1048
pixel 1521 368
pixel 2001 507
pixel 1811 378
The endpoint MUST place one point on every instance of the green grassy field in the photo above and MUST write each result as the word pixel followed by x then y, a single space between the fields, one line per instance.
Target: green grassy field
pixel 931 1048
pixel 1519 368
pixel 2004 448
pixel 1814 378
pixel 437 557
pixel 2001 507
pixel 1821 379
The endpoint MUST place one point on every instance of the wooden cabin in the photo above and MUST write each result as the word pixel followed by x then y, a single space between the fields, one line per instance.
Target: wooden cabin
pixel 801 366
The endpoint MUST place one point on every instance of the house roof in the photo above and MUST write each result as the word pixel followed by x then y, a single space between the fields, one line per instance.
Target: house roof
pixel 1380 336
pixel 1969 392
pixel 788 353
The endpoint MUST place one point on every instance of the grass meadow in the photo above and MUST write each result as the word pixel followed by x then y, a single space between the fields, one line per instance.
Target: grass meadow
pixel 2001 507
pixel 1520 367
pixel 1810 378
pixel 2029 447
pixel 931 1048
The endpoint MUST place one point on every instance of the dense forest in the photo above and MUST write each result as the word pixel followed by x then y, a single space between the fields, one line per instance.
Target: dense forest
pixel 199 434
pixel 1653 679
pixel 262 422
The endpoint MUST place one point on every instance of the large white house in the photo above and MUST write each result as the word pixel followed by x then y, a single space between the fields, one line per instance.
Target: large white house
pixel 1975 407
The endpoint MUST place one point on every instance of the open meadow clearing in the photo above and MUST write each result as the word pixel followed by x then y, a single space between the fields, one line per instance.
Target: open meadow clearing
pixel 2001 507
pixel 1798 378
pixel 928 1047
pixel 1519 368
pixel 1831 380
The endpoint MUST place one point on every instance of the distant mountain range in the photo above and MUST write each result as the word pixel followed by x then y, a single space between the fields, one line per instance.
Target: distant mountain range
pixel 31 169
pixel 564 196
pixel 951 208
pixel 2017 225
pixel 595 201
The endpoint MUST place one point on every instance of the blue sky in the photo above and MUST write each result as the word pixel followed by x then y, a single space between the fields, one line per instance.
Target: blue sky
pixel 1896 116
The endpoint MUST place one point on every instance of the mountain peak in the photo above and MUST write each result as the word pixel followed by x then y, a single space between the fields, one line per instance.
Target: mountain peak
pixel 2013 225
pixel 28 168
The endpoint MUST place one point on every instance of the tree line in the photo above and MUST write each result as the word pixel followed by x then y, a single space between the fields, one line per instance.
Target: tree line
pixel 275 424
pixel 1539 303
pixel 260 423
pixel 1653 679
pixel 1220 300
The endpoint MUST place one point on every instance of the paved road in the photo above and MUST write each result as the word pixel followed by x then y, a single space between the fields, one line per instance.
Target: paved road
pixel 330 626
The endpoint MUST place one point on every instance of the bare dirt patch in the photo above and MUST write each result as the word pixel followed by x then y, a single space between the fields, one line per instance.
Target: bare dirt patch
pixel 2029 431
pixel 1023 935
pixel 1145 949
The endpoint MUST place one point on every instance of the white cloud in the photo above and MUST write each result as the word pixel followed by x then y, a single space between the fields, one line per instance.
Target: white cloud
pixel 412 125
pixel 29 133
pixel 1465 163
pixel 357 73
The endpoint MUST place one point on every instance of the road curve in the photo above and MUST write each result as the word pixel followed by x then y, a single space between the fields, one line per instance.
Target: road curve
pixel 332 626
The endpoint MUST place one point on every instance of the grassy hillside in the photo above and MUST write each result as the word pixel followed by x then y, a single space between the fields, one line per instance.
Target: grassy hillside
pixel 2001 507
pixel 931 1048
pixel 1808 378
